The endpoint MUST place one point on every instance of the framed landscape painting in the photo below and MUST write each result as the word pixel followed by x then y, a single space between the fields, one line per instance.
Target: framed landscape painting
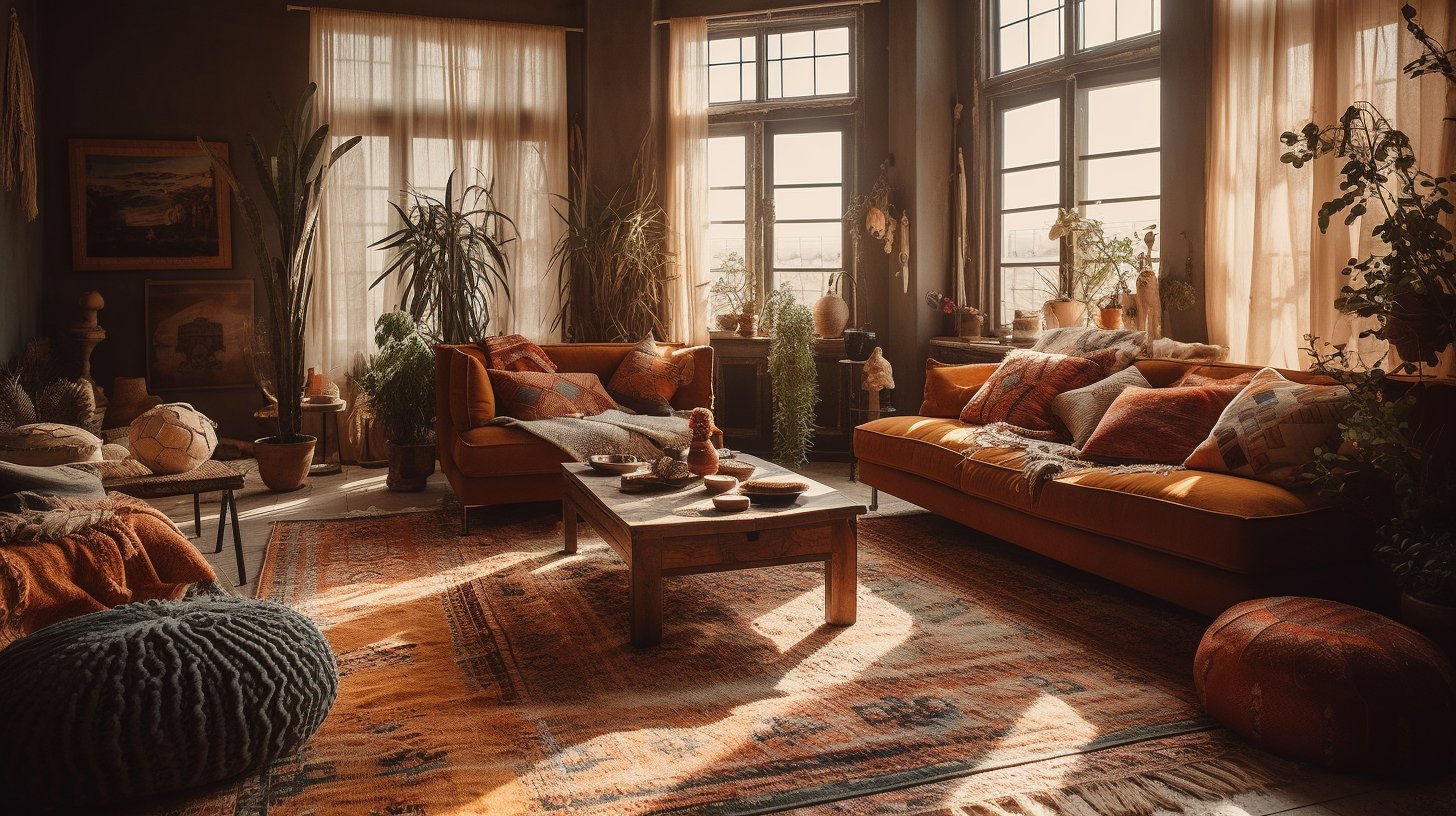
pixel 199 333
pixel 148 205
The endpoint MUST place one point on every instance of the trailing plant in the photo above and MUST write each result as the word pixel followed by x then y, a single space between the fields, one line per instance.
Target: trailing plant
pixel 1100 265
pixel 611 262
pixel 398 383
pixel 293 176
pixel 450 257
pixel 1409 285
pixel 792 372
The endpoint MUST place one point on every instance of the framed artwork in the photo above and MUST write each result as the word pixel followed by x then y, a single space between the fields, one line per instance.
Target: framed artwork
pixel 148 205
pixel 199 333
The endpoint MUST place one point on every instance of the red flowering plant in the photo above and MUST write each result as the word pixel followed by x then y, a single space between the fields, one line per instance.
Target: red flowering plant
pixel 967 318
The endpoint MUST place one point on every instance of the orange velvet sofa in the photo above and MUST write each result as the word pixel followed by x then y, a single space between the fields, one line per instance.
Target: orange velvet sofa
pixel 488 464
pixel 1205 541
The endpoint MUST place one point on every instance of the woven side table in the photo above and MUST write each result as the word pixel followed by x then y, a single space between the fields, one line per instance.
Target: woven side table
pixel 208 477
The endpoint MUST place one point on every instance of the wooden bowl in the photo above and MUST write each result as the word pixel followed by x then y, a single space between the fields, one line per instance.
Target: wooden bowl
pixel 736 468
pixel 616 463
pixel 730 502
pixel 719 483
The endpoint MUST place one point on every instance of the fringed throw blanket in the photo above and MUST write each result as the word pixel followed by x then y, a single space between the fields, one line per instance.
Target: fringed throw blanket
pixel 66 557
pixel 1043 460
pixel 608 432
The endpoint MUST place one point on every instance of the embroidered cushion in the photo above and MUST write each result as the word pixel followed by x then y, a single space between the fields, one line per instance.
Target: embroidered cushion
pixel 536 395
pixel 1082 342
pixel 472 401
pixel 648 377
pixel 1269 432
pixel 1021 390
pixel 1082 408
pixel 512 352
pixel 42 444
pixel 1158 425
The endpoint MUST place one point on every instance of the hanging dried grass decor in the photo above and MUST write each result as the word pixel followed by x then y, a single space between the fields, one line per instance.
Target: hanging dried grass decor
pixel 17 132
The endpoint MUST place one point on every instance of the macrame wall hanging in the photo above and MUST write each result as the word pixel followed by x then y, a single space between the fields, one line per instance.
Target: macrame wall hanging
pixel 17 130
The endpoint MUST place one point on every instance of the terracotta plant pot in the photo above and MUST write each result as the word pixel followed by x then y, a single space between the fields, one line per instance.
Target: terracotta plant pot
pixel 1435 621
pixel 1110 318
pixel 859 345
pixel 831 315
pixel 283 466
pixel 747 325
pixel 409 467
pixel 1064 313
pixel 702 458
pixel 970 327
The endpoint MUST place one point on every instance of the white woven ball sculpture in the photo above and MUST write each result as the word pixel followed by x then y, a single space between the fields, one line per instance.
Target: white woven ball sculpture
pixel 172 438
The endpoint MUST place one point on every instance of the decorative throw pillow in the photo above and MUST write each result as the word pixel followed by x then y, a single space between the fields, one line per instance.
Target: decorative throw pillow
pixel 172 438
pixel 1269 432
pixel 536 395
pixel 472 401
pixel 648 377
pixel 948 387
pixel 1175 350
pixel 1204 376
pixel 1082 408
pixel 1082 342
pixel 1021 390
pixel 42 444
pixel 1158 425
pixel 512 352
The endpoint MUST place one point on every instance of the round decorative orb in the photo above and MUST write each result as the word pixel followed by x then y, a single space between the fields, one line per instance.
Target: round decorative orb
pixel 172 438
pixel 153 697
pixel 1324 682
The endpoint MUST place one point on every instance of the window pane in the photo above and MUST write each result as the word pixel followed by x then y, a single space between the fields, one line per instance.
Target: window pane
pixel 806 286
pixel 1134 18
pixel 815 245
pixel 807 158
pixel 798 77
pixel 1126 217
pixel 725 205
pixel 831 75
pixel 1013 47
pixel 1024 236
pixel 1120 177
pixel 1031 134
pixel 798 44
pixel 1046 37
pixel 723 84
pixel 1039 6
pixel 722 239
pixel 807 202
pixel 1099 23
pixel 1121 117
pixel 1030 188
pixel 1105 21
pixel 1025 288
pixel 721 51
pixel 831 41
pixel 750 80
pixel 1012 10
pixel 726 161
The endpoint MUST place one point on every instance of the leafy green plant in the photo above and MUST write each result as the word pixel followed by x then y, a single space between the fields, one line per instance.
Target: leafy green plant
pixel 611 262
pixel 792 372
pixel 398 383
pixel 1100 264
pixel 293 178
pixel 450 256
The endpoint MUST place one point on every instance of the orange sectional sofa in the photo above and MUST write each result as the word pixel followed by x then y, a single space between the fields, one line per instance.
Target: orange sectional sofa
pixel 488 465
pixel 1205 541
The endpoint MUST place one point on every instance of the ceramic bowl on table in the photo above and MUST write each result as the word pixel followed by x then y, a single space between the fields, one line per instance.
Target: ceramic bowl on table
pixel 719 483
pixel 615 463
pixel 730 502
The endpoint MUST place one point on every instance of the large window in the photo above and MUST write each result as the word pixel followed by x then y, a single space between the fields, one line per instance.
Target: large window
pixel 1074 103
pixel 778 170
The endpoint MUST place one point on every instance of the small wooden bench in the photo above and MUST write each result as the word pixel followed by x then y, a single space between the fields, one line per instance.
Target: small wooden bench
pixel 210 476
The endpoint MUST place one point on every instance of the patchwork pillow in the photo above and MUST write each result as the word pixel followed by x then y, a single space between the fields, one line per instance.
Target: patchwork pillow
pixel 42 444
pixel 1021 390
pixel 1082 408
pixel 948 387
pixel 1082 342
pixel 512 352
pixel 1269 432
pixel 648 377
pixel 1158 425
pixel 472 401
pixel 537 395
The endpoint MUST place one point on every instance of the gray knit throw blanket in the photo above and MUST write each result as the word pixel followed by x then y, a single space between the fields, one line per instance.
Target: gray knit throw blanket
pixel 1044 460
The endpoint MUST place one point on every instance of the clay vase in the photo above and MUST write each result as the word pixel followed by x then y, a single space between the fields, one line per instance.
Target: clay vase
pixel 831 315
pixel 283 466
pixel 859 345
pixel 409 467
pixel 747 325
pixel 702 458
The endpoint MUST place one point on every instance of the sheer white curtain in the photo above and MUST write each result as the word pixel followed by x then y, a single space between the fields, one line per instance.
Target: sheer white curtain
pixel 431 96
pixel 686 195
pixel 1278 64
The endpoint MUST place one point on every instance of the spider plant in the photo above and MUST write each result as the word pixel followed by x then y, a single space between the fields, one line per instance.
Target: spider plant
pixel 449 256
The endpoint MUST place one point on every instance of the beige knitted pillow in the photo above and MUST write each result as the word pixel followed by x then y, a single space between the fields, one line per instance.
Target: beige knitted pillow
pixel 44 444
pixel 1082 408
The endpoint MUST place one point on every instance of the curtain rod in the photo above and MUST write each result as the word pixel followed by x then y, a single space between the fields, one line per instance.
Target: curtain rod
pixel 330 8
pixel 805 7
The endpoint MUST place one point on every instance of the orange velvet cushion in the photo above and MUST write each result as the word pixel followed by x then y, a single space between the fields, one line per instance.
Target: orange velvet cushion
pixel 949 387
pixel 648 377
pixel 1161 425
pixel 536 395
pixel 512 352
pixel 1021 390
pixel 472 400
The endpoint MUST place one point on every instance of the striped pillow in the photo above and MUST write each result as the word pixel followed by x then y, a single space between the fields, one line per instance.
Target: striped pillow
pixel 512 352
pixel 1082 408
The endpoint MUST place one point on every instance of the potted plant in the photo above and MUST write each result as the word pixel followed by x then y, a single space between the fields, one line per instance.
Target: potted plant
pixel 733 295
pixel 449 256
pixel 1390 466
pixel 791 370
pixel 967 318
pixel 293 176
pixel 1097 263
pixel 398 390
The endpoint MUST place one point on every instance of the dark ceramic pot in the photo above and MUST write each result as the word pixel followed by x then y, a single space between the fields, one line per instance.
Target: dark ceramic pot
pixel 859 345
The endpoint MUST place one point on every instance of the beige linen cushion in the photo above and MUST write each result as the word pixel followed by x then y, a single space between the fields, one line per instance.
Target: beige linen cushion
pixel 1082 408
pixel 1082 342
pixel 44 444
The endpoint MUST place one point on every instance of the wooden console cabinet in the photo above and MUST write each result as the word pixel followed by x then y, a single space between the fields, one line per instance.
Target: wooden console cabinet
pixel 743 397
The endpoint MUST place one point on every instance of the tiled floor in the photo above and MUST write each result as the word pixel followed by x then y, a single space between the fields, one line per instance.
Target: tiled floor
pixel 360 491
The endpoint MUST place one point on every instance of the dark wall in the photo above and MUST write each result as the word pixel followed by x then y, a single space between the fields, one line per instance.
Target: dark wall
pixel 20 240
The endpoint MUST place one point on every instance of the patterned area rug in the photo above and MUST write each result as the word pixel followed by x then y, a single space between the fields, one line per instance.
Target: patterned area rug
pixel 491 674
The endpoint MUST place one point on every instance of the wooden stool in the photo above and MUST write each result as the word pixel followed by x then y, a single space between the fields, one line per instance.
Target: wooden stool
pixel 205 478
pixel 330 410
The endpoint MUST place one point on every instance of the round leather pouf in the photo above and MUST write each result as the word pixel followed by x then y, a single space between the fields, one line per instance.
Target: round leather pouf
pixel 155 697
pixel 1324 682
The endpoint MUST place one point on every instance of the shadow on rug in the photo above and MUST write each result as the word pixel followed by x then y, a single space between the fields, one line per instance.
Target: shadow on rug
pixel 491 674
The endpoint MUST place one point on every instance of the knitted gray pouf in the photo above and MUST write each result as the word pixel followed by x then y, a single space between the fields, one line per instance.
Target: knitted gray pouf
pixel 157 696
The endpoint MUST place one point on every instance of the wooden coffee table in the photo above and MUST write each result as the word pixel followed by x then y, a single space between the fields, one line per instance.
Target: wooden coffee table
pixel 679 532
